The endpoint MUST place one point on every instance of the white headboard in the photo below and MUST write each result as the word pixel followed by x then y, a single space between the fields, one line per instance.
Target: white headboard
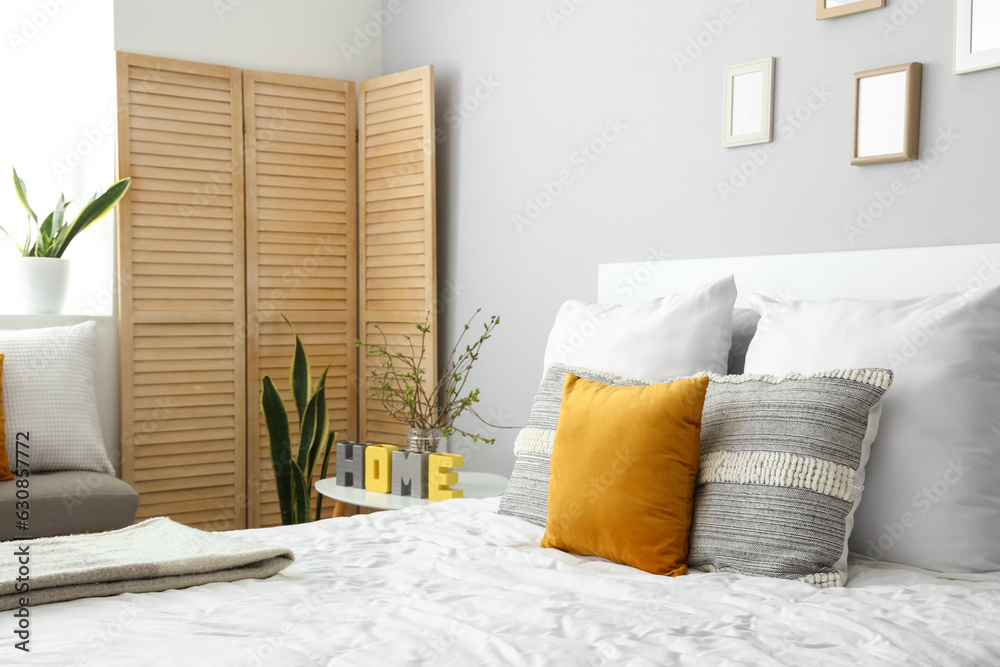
pixel 107 369
pixel 859 274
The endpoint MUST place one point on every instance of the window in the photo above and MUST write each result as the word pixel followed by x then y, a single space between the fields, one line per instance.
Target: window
pixel 59 118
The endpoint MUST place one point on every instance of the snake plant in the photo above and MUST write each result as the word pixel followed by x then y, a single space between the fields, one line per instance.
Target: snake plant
pixel 55 234
pixel 293 476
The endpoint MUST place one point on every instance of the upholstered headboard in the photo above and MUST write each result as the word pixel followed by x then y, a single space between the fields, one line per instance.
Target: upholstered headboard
pixel 860 274
pixel 107 369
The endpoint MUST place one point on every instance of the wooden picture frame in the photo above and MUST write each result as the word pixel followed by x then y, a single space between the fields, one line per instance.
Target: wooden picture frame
pixel 977 36
pixel 834 9
pixel 887 115
pixel 748 112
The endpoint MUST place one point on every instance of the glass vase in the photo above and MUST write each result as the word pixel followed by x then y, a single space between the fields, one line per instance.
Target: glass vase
pixel 427 440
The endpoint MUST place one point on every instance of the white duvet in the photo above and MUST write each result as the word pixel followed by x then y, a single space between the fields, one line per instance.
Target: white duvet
pixel 456 584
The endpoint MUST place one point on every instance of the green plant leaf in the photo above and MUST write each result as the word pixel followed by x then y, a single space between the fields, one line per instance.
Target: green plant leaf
pixel 26 251
pixel 22 195
pixel 300 375
pixel 279 444
pixel 307 431
pixel 320 434
pixel 90 214
pixel 20 248
pixel 300 495
pixel 322 473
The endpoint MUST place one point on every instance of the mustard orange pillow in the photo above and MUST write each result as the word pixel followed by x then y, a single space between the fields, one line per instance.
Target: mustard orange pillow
pixel 623 470
pixel 5 475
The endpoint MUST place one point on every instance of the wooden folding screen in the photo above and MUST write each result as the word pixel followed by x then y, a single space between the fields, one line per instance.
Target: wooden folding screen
pixel 181 290
pixel 243 208
pixel 396 239
pixel 301 252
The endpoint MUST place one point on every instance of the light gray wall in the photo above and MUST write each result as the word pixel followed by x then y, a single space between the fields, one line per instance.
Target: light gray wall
pixel 311 37
pixel 557 83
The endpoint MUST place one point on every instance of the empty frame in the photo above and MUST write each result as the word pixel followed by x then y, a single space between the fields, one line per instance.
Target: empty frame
pixel 749 102
pixel 977 35
pixel 887 114
pixel 831 9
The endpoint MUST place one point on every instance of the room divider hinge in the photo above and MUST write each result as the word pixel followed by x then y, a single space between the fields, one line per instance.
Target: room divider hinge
pixel 357 136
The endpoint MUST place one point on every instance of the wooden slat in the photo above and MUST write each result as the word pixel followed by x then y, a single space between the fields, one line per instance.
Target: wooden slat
pixel 396 223
pixel 301 240
pixel 181 294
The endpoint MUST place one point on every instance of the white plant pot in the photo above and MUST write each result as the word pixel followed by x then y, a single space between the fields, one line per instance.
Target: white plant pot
pixel 40 285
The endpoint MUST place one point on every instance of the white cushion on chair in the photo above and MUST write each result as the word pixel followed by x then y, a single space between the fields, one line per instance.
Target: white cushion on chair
pixel 49 393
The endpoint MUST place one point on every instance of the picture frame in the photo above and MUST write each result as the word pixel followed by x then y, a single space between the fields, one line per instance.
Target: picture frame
pixel 887 115
pixel 748 112
pixel 834 9
pixel 977 35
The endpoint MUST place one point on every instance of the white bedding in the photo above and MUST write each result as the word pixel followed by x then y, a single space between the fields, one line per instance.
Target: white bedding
pixel 456 584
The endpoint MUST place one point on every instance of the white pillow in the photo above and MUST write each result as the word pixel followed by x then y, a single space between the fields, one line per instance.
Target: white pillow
pixel 49 392
pixel 654 340
pixel 932 488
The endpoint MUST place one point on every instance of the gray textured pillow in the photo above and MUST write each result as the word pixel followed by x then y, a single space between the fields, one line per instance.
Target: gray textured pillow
pixel 781 472
pixel 527 494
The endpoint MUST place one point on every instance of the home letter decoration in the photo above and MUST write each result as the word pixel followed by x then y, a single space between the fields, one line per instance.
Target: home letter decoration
pixel 440 476
pixel 378 468
pixel 351 464
pixel 409 473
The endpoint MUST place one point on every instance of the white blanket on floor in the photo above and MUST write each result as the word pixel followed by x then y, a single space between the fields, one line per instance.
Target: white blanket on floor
pixel 455 584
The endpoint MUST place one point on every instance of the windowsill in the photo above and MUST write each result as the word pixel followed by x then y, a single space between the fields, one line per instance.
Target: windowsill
pixel 20 321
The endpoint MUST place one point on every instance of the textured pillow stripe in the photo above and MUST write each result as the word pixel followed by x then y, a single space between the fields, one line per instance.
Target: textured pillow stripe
pixel 536 440
pixel 781 471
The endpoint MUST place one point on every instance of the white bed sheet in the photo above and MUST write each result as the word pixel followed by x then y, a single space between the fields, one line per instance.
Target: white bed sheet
pixel 456 584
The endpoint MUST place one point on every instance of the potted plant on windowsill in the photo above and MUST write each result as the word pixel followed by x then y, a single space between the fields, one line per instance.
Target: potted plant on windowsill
pixel 41 274
pixel 429 411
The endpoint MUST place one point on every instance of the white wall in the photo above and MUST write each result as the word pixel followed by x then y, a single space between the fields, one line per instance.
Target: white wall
pixel 556 84
pixel 311 37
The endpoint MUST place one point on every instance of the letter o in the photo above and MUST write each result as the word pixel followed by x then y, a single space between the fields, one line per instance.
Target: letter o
pixel 544 200
pixel 940 487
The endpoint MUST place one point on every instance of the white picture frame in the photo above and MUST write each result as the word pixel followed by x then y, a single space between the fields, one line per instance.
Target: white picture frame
pixel 834 9
pixel 977 35
pixel 887 114
pixel 748 113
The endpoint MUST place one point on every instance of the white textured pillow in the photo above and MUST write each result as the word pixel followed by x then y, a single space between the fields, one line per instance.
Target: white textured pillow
pixel 932 492
pixel 653 340
pixel 49 392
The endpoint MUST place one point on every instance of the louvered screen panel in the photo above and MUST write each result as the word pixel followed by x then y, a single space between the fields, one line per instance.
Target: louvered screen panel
pixel 397 246
pixel 181 290
pixel 301 182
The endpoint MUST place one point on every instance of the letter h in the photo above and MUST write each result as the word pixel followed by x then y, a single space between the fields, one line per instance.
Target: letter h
pixel 351 464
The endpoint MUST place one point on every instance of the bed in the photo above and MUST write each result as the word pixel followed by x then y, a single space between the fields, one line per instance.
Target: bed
pixel 458 584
